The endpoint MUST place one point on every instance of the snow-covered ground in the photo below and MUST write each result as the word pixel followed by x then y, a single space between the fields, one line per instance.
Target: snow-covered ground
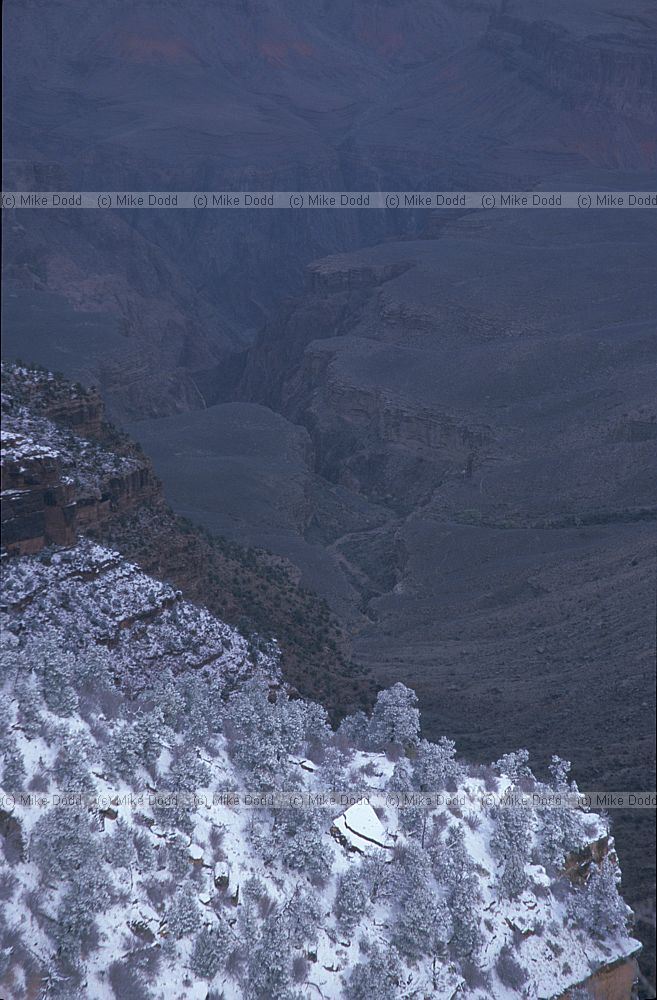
pixel 322 899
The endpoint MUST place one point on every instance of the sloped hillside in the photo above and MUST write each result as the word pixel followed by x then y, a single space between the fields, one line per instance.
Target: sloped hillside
pixel 66 472
pixel 175 825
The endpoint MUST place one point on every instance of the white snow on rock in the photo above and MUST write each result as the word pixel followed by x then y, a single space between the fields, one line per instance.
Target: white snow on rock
pixel 362 829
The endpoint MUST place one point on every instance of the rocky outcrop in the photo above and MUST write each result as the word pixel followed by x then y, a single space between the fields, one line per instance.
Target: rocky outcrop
pixel 612 982
pixel 607 63
pixel 340 273
pixel 578 863
pixel 38 506
pixel 57 483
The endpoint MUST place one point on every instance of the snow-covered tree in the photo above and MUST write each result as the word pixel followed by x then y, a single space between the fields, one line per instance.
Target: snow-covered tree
pixel 423 924
pixel 30 704
pixel 463 902
pixel 317 731
pixel 137 744
pixel 434 765
pixel 72 768
pixel 352 901
pixel 561 830
pixel 120 848
pixel 183 914
pixel 269 971
pixel 122 754
pixel 177 854
pixel 74 923
pixel 198 717
pixel 262 730
pixel 597 907
pixel 511 844
pixel 302 914
pixel 354 731
pixel 166 693
pixel 395 718
pixel 188 772
pixel 514 765
pixel 211 946
pixel 93 669
pixel 411 817
pixel 63 844
pixel 301 844
pixel 57 670
pixel 13 766
pixel 455 870
pixel 146 856
pixel 379 875
pixel 378 976
pixel 331 772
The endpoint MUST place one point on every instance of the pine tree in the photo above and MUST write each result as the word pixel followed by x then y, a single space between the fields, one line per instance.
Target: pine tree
pixel 454 868
pixel 71 766
pixel 560 829
pixel 120 848
pixel 183 914
pixel 379 976
pixel 466 937
pixel 423 924
pixel 92 669
pixel 188 772
pixel 354 731
pixel 331 772
pixel 197 715
pixel 62 844
pixel 30 705
pixel 177 855
pixel 122 756
pixel 263 731
pixel 351 900
pixel 301 843
pixel 166 693
pixel 13 766
pixel 57 674
pixel 598 907
pixel 302 916
pixel 211 946
pixel 511 844
pixel 269 967
pixel 151 733
pixel 74 923
pixel 411 817
pixel 434 765
pixel 146 857
pixel 395 718
pixel 514 766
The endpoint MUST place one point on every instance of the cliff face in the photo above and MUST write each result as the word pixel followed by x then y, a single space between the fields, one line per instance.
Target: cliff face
pixel 58 483
pixel 589 58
